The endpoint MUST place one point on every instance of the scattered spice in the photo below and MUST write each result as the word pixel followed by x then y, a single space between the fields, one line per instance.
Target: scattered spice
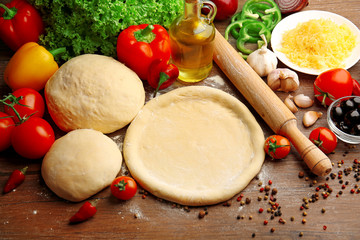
pixel 247 200
pixel 303 221
pixel 261 210
pixel 274 191
pixel 202 214
pixel 272 229
pixel 266 222
pixel 324 227
pixel 323 210
pixel 301 234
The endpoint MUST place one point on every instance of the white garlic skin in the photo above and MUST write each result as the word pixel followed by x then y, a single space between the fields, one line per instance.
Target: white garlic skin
pixel 303 101
pixel 262 60
pixel 283 79
pixel 311 117
pixel 290 104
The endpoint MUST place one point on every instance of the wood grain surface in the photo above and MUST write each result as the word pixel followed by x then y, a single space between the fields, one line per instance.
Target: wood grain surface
pixel 32 211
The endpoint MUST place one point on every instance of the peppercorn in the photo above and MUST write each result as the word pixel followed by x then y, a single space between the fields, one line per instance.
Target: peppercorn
pixel 303 221
pixel 265 222
pixel 259 198
pixel 261 210
pixel 202 214
pixel 301 234
pixel 274 191
pixel 272 229
pixel 301 174
pixel 253 235
pixel 323 210
pixel 267 188
pixel 270 182
pixel 292 219
pixel 247 200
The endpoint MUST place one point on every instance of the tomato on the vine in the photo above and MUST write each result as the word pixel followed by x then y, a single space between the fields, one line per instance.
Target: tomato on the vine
pixel 123 187
pixel 277 147
pixel 28 102
pixel 7 125
pixel 324 139
pixel 333 84
pixel 33 138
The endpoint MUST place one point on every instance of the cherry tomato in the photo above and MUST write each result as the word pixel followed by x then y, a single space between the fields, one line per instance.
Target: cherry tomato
pixel 33 138
pixel 277 147
pixel 324 139
pixel 123 187
pixel 333 84
pixel 31 104
pixel 7 125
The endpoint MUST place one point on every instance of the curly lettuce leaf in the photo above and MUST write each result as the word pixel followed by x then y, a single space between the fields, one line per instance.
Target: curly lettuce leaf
pixel 92 26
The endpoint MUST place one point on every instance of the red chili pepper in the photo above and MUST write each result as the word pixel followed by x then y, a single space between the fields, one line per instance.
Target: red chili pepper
pixel 161 74
pixel 139 45
pixel 86 211
pixel 356 88
pixel 20 23
pixel 16 178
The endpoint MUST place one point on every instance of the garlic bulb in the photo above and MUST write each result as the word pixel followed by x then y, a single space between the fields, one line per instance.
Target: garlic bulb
pixel 290 104
pixel 311 117
pixel 262 60
pixel 283 79
pixel 303 101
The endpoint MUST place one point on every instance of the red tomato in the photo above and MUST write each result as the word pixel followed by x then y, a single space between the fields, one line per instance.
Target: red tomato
pixel 324 138
pixel 333 84
pixel 33 138
pixel 7 125
pixel 123 187
pixel 225 8
pixel 277 147
pixel 33 101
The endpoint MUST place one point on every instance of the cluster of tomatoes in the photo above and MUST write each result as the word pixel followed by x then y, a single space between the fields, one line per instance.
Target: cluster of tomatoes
pixel 22 125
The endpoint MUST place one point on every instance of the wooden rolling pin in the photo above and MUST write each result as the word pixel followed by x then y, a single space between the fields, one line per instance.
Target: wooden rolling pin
pixel 268 105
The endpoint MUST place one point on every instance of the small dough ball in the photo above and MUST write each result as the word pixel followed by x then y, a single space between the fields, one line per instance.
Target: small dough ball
pixel 80 164
pixel 94 91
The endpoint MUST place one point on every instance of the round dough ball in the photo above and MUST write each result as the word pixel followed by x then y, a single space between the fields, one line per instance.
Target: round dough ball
pixel 80 164
pixel 94 91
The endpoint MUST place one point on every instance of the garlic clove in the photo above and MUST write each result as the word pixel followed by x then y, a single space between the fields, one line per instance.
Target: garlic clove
pixel 303 101
pixel 311 117
pixel 290 104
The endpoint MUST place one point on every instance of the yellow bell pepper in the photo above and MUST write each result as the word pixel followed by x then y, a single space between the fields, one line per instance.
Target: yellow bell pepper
pixel 31 67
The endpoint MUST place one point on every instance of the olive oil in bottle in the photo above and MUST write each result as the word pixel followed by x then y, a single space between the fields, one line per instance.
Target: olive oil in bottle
pixel 191 39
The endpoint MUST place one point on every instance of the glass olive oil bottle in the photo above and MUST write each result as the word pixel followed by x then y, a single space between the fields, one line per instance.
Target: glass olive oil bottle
pixel 191 40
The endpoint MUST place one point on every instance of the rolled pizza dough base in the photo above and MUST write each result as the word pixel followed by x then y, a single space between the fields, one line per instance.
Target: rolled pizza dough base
pixel 194 146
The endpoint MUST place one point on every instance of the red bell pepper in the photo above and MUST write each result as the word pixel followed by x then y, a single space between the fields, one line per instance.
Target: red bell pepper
pixel 16 178
pixel 356 88
pixel 20 23
pixel 162 74
pixel 86 211
pixel 139 45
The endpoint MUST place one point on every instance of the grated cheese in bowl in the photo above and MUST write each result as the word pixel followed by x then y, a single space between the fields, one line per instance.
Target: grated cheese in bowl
pixel 318 44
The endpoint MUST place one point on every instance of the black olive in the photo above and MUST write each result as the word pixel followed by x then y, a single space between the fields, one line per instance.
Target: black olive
pixel 352 118
pixel 355 130
pixel 343 127
pixel 337 114
pixel 357 102
pixel 347 105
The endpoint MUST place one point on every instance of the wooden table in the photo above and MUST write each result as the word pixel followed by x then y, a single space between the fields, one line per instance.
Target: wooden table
pixel 34 212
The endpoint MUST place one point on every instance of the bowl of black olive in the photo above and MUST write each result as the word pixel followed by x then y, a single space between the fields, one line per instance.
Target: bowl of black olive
pixel 343 117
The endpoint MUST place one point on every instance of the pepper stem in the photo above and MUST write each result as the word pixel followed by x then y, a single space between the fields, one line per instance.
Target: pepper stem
pixel 163 78
pixel 9 13
pixel 145 35
pixel 23 171
pixel 57 51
